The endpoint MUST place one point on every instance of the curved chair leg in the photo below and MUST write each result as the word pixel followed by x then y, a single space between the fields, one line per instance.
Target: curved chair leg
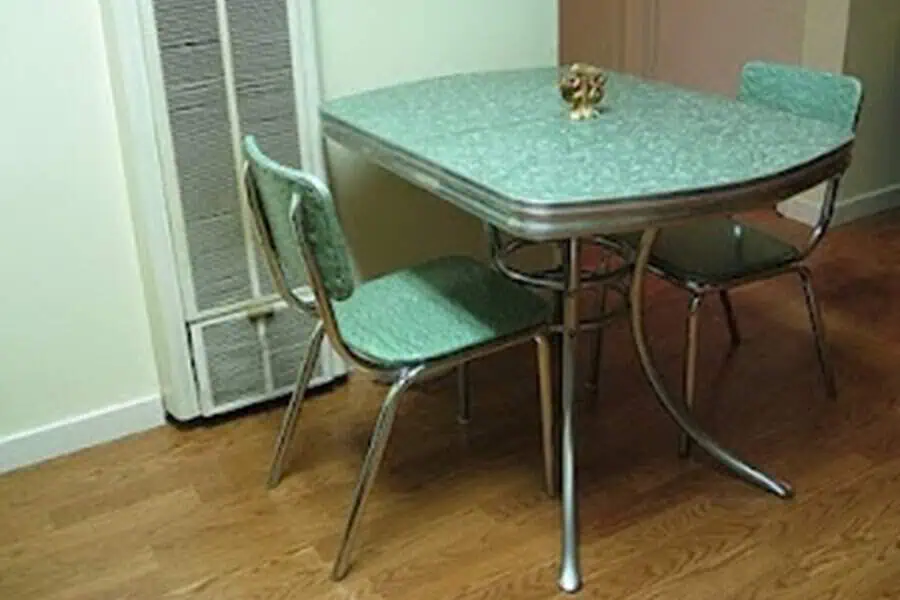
pixel 690 367
pixel 289 421
pixel 730 318
pixel 818 328
pixel 377 444
pixel 545 381
pixel 464 408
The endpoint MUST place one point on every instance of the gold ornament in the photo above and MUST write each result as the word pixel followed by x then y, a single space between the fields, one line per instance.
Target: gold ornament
pixel 582 86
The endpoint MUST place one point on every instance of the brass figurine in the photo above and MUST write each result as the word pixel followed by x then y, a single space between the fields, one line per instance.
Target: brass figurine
pixel 583 87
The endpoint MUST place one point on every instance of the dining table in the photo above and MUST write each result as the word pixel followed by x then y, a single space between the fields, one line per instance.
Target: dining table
pixel 500 145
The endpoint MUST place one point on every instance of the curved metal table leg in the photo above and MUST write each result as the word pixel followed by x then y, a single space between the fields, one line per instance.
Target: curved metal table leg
pixel 676 409
pixel 569 568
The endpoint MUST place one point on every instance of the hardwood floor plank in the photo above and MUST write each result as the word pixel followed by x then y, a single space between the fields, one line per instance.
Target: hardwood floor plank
pixel 460 512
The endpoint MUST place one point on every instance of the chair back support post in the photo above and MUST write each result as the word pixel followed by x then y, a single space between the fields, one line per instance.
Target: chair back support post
pixel 288 190
pixel 267 244
pixel 826 214
pixel 831 97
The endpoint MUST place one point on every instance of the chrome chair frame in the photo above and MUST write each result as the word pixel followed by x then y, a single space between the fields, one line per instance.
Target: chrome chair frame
pixel 699 289
pixel 600 281
pixel 403 376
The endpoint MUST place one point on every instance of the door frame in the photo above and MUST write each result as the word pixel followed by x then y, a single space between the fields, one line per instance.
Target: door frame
pixel 640 43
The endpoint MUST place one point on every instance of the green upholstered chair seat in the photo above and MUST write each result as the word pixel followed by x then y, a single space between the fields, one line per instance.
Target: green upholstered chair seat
pixel 435 309
pixel 714 250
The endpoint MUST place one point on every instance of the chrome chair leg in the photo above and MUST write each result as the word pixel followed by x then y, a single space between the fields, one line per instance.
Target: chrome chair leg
pixel 690 367
pixel 377 444
pixel 545 381
pixel 464 409
pixel 289 421
pixel 730 318
pixel 818 329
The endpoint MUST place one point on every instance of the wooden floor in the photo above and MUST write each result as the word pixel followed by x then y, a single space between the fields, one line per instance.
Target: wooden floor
pixel 456 513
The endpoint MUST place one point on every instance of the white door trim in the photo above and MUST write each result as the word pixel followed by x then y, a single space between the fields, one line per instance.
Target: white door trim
pixel 138 137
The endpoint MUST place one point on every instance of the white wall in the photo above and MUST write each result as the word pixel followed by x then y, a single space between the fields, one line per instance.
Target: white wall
pixel 74 335
pixel 702 44
pixel 365 44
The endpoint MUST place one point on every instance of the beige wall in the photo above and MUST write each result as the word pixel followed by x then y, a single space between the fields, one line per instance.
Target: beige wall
pixel 873 54
pixel 703 43
pixel 74 335
pixel 370 44
pixel 592 31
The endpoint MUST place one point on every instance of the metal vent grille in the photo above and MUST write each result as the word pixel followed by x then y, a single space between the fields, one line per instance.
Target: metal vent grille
pixel 236 368
pixel 191 56
pixel 234 360
pixel 264 82
pixel 288 334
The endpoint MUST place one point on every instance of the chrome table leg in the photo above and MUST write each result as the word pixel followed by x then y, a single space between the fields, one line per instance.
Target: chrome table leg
pixel 570 570
pixel 677 410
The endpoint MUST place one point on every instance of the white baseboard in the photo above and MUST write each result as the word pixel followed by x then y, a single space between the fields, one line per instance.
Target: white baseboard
pixel 805 208
pixel 90 429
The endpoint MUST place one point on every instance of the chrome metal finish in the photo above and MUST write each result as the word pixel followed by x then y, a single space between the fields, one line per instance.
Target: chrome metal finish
pixel 464 410
pixel 570 569
pixel 818 330
pixel 403 375
pixel 370 468
pixel 823 223
pixel 676 410
pixel 289 421
pixel 690 367
pixel 535 221
pixel 730 317
pixel 550 279
pixel 267 244
pixel 547 421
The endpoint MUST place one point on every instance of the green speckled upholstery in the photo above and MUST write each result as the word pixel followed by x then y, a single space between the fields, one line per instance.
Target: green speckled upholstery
pixel 277 187
pixel 406 317
pixel 820 95
pixel 716 250
pixel 509 132
pixel 435 309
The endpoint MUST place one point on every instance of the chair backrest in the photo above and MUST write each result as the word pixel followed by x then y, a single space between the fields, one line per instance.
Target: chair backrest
pixel 279 197
pixel 821 95
pixel 831 97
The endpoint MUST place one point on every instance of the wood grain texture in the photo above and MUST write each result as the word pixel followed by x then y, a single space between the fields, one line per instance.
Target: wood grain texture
pixel 459 512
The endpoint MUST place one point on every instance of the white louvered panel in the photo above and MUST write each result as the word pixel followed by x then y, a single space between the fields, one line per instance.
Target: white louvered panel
pixel 233 360
pixel 287 334
pixel 191 57
pixel 199 74
pixel 264 84
pixel 232 369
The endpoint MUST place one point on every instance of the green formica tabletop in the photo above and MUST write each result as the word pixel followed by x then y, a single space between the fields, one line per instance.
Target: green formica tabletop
pixel 499 144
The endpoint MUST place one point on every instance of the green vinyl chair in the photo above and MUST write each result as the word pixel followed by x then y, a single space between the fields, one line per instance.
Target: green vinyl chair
pixel 716 255
pixel 403 325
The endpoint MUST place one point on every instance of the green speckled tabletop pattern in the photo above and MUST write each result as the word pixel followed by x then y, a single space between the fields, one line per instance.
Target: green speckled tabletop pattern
pixel 509 133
